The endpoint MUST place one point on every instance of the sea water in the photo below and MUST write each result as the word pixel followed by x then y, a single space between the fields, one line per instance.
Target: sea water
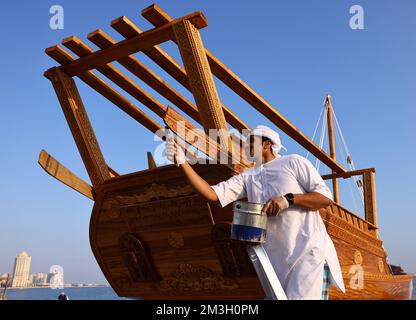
pixel 82 293
pixel 89 293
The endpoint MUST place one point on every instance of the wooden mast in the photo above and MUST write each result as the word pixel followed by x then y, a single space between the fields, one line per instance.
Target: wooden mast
pixel 332 151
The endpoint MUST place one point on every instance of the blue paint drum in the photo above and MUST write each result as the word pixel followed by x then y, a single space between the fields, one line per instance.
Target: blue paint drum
pixel 249 223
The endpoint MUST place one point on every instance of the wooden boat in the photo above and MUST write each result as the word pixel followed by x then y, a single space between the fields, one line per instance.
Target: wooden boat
pixel 152 235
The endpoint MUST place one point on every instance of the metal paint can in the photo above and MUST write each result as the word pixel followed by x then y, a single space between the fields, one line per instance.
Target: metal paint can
pixel 249 223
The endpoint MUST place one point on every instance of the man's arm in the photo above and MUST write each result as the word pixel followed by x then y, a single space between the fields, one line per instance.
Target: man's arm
pixel 311 200
pixel 198 183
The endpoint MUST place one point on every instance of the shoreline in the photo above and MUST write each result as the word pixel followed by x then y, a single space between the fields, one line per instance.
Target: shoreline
pixel 70 287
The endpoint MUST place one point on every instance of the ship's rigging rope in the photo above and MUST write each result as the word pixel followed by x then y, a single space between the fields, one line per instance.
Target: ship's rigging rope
pixel 322 120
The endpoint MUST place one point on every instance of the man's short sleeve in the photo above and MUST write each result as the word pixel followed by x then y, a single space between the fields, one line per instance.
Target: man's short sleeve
pixel 308 177
pixel 230 190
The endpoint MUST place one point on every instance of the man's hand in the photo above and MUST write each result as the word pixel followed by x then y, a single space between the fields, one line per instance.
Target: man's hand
pixel 275 205
pixel 174 152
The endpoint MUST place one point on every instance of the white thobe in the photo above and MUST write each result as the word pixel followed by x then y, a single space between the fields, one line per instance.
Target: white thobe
pixel 297 242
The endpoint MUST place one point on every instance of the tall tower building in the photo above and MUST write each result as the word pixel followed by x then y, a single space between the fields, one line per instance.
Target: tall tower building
pixel 21 270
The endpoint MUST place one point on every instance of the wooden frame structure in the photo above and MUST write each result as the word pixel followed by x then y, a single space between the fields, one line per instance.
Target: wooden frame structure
pixel 122 202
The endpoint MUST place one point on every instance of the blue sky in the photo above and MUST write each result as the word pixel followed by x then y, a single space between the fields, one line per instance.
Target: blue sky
pixel 291 52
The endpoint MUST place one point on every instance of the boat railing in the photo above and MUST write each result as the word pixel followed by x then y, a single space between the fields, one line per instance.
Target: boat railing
pixel 368 224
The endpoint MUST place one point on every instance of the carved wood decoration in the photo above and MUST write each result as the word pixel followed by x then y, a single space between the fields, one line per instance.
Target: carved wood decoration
pixel 80 125
pixel 201 81
pixel 137 259
pixel 232 254
pixel 193 278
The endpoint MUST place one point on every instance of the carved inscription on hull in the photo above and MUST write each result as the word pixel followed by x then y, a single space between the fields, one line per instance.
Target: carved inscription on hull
pixel 190 277
pixel 189 210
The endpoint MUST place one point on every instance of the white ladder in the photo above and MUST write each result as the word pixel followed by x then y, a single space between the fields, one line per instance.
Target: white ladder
pixel 265 272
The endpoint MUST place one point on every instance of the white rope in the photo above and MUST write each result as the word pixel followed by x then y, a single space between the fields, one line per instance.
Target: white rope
pixel 316 128
pixel 349 160
pixel 321 140
pixel 350 163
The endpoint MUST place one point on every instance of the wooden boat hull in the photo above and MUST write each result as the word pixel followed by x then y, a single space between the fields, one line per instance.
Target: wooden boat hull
pixel 154 238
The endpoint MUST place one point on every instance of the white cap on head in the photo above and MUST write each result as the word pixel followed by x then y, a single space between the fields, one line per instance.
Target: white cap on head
pixel 265 131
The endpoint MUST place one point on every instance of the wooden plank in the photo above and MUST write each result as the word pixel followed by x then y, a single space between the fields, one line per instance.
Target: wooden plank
pixel 113 173
pixel 370 203
pixel 158 17
pixel 199 140
pixel 80 126
pixel 335 211
pixel 91 79
pixel 342 213
pixel 62 57
pixel 150 161
pixel 129 46
pixel 349 217
pixel 57 170
pixel 102 40
pixel 81 49
pixel 202 83
pixel 361 222
pixel 348 174
pixel 355 221
pixel 128 30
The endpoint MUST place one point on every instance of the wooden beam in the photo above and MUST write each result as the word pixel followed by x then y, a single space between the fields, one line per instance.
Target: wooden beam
pixel 370 204
pixel 102 40
pixel 331 139
pixel 80 126
pixel 63 57
pixel 199 140
pixel 129 46
pixel 347 174
pixel 81 49
pixel 150 161
pixel 113 173
pixel 64 175
pixel 129 30
pixel 202 83
pixel 158 17
pixel 91 79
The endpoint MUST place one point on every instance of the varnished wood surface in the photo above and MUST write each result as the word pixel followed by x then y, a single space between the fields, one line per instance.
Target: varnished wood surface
pixel 128 29
pixel 201 81
pixel 63 174
pixel 129 46
pixel 155 15
pixel 158 207
pixel 79 123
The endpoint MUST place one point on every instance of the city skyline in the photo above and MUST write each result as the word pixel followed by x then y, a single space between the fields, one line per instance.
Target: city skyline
pixel 21 277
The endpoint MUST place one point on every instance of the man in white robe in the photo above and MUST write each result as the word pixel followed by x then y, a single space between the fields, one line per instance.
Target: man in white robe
pixel 292 192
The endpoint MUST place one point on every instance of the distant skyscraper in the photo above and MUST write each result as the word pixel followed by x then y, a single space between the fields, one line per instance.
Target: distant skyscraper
pixel 40 278
pixel 21 270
